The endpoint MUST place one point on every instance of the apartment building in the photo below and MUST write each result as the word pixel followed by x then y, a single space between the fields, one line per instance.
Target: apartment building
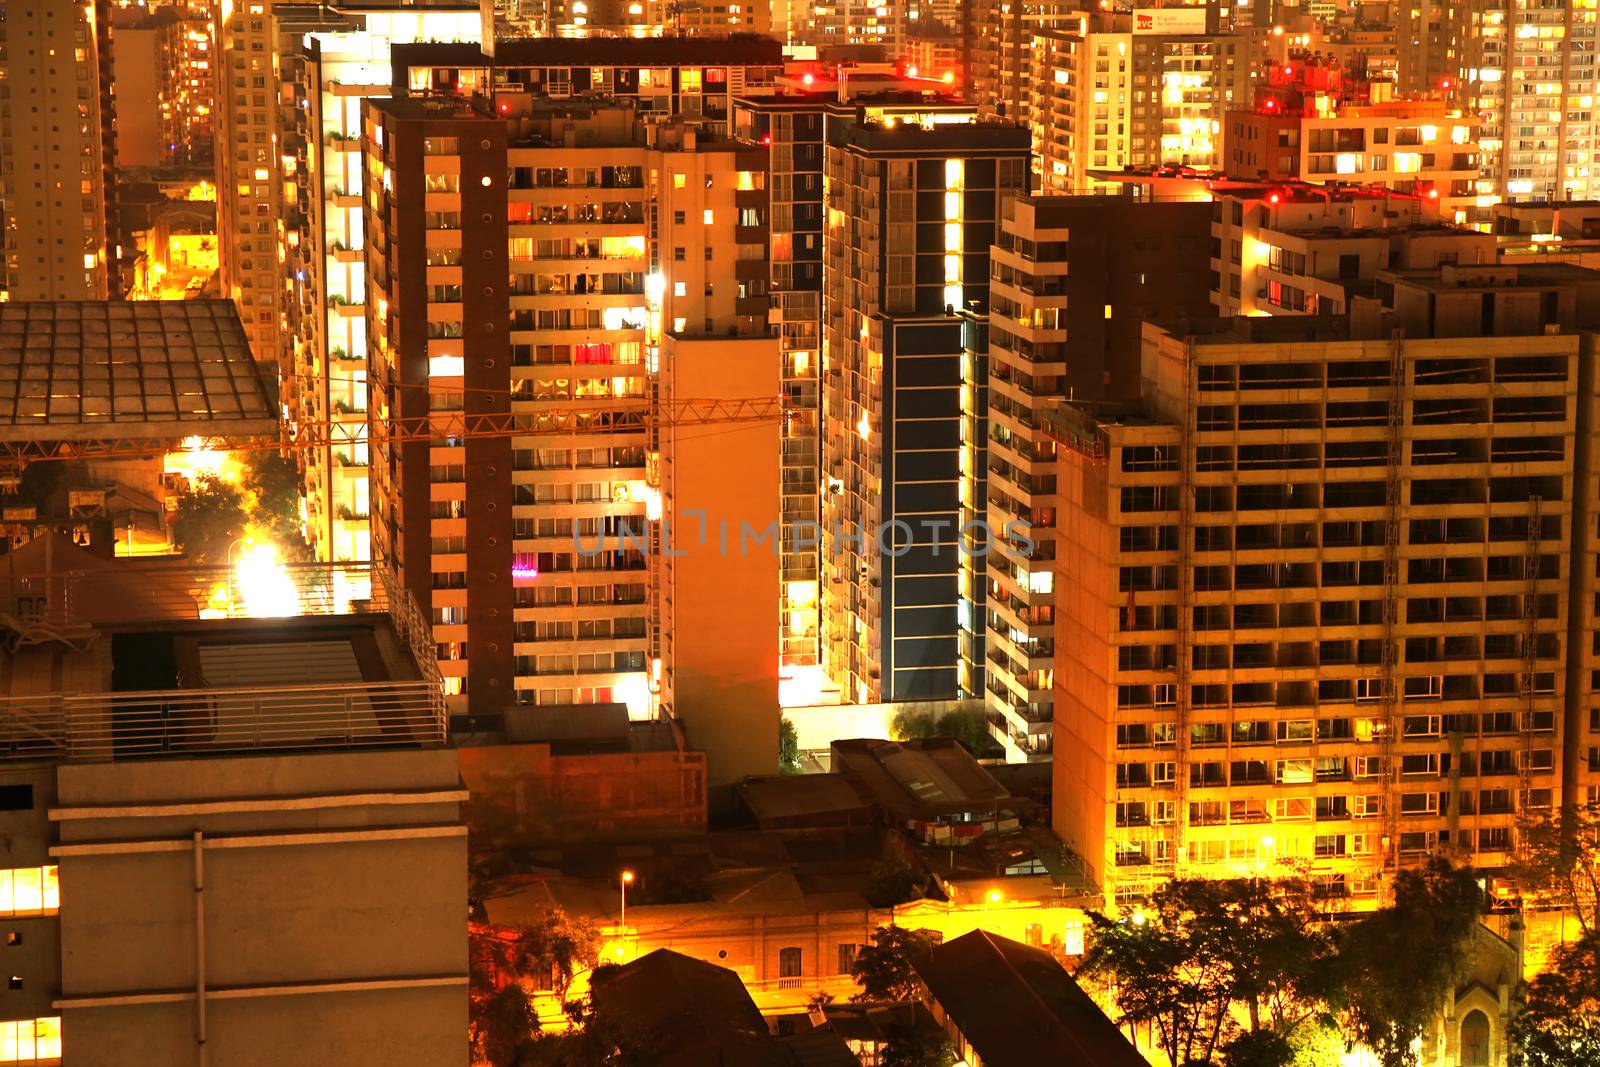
pixel 1529 69
pixel 696 78
pixel 1000 42
pixel 911 212
pixel 1114 261
pixel 1323 584
pixel 1321 124
pixel 787 127
pixel 163 75
pixel 251 171
pixel 549 269
pixel 331 59
pixel 1109 91
pixel 57 180
pixel 263 866
pixel 1302 249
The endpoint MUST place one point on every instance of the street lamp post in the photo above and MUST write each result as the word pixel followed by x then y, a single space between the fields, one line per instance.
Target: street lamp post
pixel 623 882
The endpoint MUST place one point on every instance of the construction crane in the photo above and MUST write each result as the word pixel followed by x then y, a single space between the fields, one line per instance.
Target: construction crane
pixel 438 427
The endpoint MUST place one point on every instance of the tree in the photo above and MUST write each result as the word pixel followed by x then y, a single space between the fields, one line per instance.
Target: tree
pixel 1558 1024
pixel 788 747
pixel 1397 963
pixel 271 486
pixel 508 964
pixel 909 1046
pixel 1259 1048
pixel 210 517
pixel 1167 969
pixel 883 968
pixel 502 1028
pixel 970 730
pixel 1558 864
pixel 1281 959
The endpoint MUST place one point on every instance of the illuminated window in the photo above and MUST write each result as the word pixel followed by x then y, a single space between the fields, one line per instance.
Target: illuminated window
pixel 1407 162
pixel 1041 581
pixel 709 216
pixel 679 324
pixel 680 289
pixel 446 366
pixel 30 1040
pixel 679 181
pixel 29 891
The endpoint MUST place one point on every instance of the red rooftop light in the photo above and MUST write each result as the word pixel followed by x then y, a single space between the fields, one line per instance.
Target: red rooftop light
pixel 1273 198
pixel 808 77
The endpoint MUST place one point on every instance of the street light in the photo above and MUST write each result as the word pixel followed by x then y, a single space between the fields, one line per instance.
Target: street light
pixel 625 881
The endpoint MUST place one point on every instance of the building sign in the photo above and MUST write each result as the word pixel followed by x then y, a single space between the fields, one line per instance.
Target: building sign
pixel 1169 20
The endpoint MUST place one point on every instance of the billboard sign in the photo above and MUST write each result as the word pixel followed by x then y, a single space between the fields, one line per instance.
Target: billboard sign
pixel 1169 20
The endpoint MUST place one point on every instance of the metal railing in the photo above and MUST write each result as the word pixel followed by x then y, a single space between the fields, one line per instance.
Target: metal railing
pixel 71 606
pixel 190 722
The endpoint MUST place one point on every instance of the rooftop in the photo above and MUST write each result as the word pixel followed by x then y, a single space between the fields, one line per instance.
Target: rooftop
pixel 735 50
pixel 919 780
pixel 684 1011
pixel 117 659
pixel 160 370
pixel 1017 1006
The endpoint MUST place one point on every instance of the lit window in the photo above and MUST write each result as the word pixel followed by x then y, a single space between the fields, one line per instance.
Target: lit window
pixel 29 891
pixel 30 1040
pixel 446 366
pixel 679 325
pixel 709 216
pixel 1041 581
pixel 679 180
pixel 680 289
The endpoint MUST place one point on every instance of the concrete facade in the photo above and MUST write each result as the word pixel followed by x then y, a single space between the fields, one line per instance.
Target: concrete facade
pixel 1395 674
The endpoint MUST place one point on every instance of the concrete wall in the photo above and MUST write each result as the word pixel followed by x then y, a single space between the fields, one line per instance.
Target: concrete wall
pixel 722 595
pixel 331 921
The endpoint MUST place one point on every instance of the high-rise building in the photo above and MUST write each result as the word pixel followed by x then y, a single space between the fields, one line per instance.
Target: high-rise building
pixel 1110 91
pixel 184 785
pixel 331 58
pixel 58 136
pixel 558 303
pixel 1321 123
pixel 1530 72
pixel 1113 261
pixel 1318 585
pixel 911 208
pixel 251 228
pixel 1000 45
pixel 787 126
pixel 164 83
pixel 1296 249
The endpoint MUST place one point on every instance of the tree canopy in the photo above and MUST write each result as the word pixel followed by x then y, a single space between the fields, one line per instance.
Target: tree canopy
pixel 883 968
pixel 1250 971
pixel 1558 1024
pixel 1397 963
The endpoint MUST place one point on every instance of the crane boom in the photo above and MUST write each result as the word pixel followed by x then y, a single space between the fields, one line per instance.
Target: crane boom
pixel 439 426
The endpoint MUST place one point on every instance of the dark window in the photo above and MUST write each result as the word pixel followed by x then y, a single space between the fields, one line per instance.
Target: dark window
pixel 16 797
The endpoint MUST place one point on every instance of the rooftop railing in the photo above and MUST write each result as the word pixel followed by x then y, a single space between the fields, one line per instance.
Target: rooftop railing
pixel 71 607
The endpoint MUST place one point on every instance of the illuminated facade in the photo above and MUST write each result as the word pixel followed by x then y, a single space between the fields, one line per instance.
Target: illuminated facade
pixel 333 60
pixel 1320 124
pixel 548 303
pixel 911 208
pixel 1106 96
pixel 1305 250
pixel 250 171
pixel 1530 71
pixel 163 75
pixel 1343 648
pixel 57 128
